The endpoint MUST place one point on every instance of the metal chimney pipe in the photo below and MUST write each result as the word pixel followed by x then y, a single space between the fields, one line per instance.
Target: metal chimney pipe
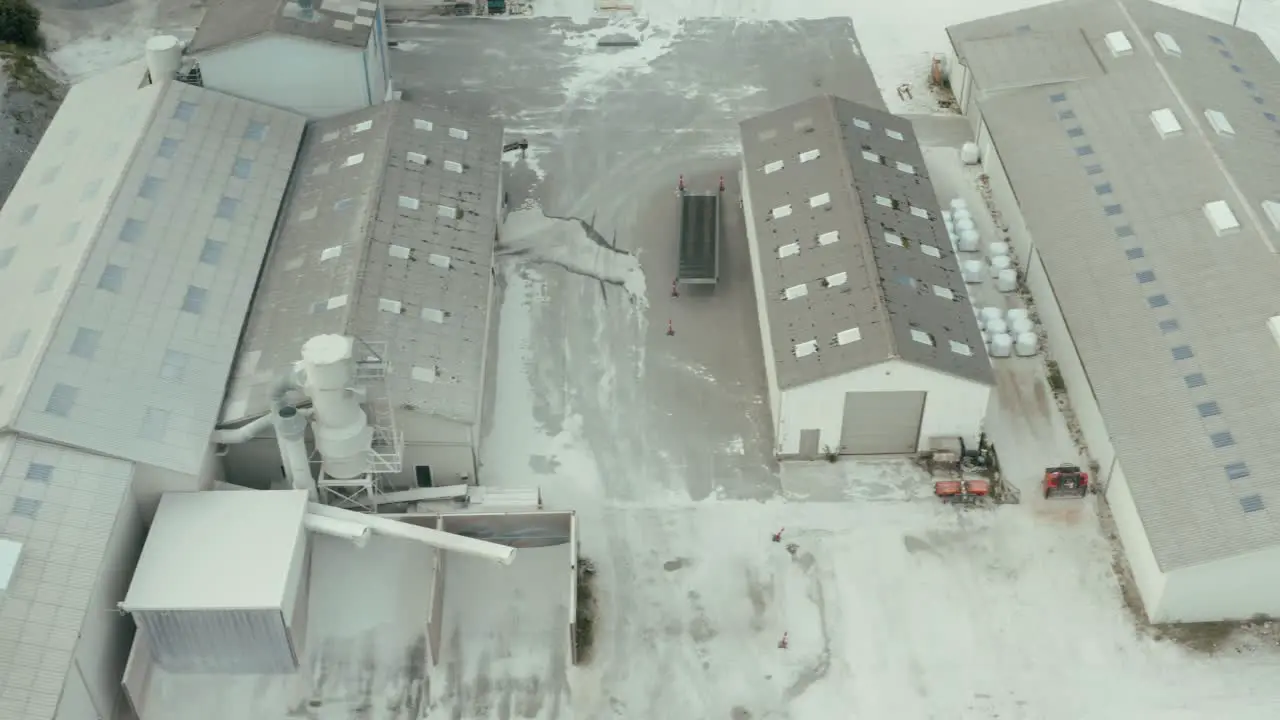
pixel 291 432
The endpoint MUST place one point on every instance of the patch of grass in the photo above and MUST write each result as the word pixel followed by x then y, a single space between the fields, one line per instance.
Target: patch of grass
pixel 24 72
pixel 1056 383
pixel 585 621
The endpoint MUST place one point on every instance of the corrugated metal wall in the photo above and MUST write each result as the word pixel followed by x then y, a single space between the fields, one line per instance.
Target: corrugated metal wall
pixel 219 641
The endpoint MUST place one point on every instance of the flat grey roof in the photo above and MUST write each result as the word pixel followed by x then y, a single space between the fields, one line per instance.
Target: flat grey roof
pixel 388 236
pixel 1169 316
pixel 133 240
pixel 852 248
pixel 340 22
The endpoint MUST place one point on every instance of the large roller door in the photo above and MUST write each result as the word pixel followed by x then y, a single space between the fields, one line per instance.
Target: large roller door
pixel 881 423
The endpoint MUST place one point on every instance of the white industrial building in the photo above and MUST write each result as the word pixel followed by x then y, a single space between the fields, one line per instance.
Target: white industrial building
pixel 388 236
pixel 1130 150
pixel 319 58
pixel 871 343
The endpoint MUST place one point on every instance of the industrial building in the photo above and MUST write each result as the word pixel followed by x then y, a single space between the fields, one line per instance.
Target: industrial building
pixel 870 340
pixel 388 236
pixel 1129 149
pixel 318 58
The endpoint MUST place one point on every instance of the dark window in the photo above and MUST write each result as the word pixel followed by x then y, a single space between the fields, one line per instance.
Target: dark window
pixel 424 475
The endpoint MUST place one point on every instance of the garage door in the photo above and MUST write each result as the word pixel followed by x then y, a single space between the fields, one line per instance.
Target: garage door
pixel 881 423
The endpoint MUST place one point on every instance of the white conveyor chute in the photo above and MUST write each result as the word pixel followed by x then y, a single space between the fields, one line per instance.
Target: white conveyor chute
pixel 427 536
pixel 356 533
pixel 244 433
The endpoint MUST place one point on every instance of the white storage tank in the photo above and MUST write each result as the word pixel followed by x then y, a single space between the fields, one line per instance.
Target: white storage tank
pixel 998 248
pixel 969 241
pixel 959 204
pixel 1020 326
pixel 996 326
pixel 164 57
pixel 961 214
pixel 1000 263
pixel 965 224
pixel 1016 314
pixel 1007 280
pixel 1028 344
pixel 991 313
pixel 972 271
pixel 969 153
pixel 1001 345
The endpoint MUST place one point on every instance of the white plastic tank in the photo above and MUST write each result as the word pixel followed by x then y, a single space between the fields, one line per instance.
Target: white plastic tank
pixel 1007 280
pixel 1021 326
pixel 164 57
pixel 999 263
pixel 961 214
pixel 998 248
pixel 989 314
pixel 972 271
pixel 996 326
pixel 1001 345
pixel 959 204
pixel 969 153
pixel 1016 314
pixel 965 224
pixel 1027 345
pixel 969 241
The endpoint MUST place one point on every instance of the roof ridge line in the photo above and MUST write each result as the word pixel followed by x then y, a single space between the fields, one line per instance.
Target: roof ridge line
pixel 388 115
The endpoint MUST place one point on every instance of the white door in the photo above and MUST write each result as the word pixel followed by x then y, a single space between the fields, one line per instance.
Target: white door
pixel 881 423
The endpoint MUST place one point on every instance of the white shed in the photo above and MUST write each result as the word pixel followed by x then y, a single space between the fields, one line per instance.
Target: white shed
pixel 316 57
pixel 220 584
pixel 871 343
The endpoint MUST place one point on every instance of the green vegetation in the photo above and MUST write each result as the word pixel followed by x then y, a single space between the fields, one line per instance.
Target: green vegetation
pixel 24 72
pixel 584 623
pixel 20 25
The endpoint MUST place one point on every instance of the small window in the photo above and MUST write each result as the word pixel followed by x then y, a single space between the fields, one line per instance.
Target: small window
pixel 458 133
pixel 27 507
pixel 256 131
pixel 420 124
pixel 452 166
pixel 173 368
pixel 211 253
pixel 131 231
pixel 409 203
pixel 353 160
pixel 45 283
pixel 829 237
pixel 416 158
pixel 168 148
pixel 921 337
pixel 1195 380
pixel 112 279
pixel 1113 210
pixel 362 126
pixel 422 474
pixel 17 343
pixel 1118 43
pixel 1169 325
pixel 780 212
pixel 806 348
pixel 390 306
pixel 1208 409
pixel 155 423
pixel 184 111
pixel 150 188
pixel 1157 301
pixel 39 472
pixel 227 208
pixel 1182 352
pixel 1222 439
pixel 820 200
pixel 1084 150
pixel 788 250
pixel 1168 44
pixel 1252 503
pixel 1102 189
pixel 193 301
pixel 852 335
pixel 810 155
pixel 894 134
pixel 85 343
pixel 1146 276
pixel 62 399
pixel 773 167
pixel 1236 471
pixel 1135 253
pixel 241 168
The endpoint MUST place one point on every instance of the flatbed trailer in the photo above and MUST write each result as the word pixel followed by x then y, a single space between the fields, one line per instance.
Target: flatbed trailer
pixel 699 236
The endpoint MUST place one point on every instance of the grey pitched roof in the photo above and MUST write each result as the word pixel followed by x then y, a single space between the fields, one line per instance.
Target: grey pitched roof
pixel 1169 317
pixel 388 237
pixel 159 221
pixel 340 22
pixel 61 506
pixel 853 253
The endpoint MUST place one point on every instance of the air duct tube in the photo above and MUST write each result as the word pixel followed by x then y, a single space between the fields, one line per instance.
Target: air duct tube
pixel 357 534
pixel 291 432
pixel 494 552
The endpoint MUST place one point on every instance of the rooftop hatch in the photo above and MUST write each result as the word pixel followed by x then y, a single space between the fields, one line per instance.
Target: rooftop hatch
pixel 10 555
pixel 1118 43
pixel 1221 218
pixel 1166 122
pixel 1168 44
pixel 1219 122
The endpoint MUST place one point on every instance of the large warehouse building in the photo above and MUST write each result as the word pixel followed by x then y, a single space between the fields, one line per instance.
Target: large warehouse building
pixel 1130 149
pixel 871 344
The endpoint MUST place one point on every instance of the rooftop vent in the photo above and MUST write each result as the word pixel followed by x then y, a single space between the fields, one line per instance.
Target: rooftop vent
pixel 780 212
pixel 1272 211
pixel 1221 218
pixel 1219 122
pixel 829 237
pixel 808 155
pixel 788 250
pixel 1118 43
pixel 1166 122
pixel 844 337
pixel 1168 44
pixel 836 279
pixel 773 167
pixel 806 348
pixel 795 291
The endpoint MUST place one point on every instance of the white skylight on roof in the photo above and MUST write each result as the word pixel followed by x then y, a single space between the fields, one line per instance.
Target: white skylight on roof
pixel 960 348
pixel 336 302
pixel 389 306
pixel 773 167
pixel 893 134
pixel 795 291
pixel 894 239
pixel 919 212
pixel 930 250
pixel 409 203
pixel 1272 210
pixel 905 167
pixel 424 374
pixel 806 348
pixel 1118 43
pixel 353 160
pixel 921 337
pixel 440 261
pixel 789 249
pixel 1168 44
pixel 1166 122
pixel 1221 218
pixel 884 201
pixel 453 167
pixel 420 124
pixel 820 200
pixel 808 155
pixel 861 124
pixel 362 126
pixel 417 158
pixel 458 133
pixel 10 556
pixel 330 136
pixel 308 214
pixel 829 237
pixel 447 211
pixel 320 169
pixel 780 212
pixel 836 280
pixel 944 293
pixel 868 155
pixel 330 253
pixel 399 252
pixel 1219 122
pixel 852 335
pixel 432 315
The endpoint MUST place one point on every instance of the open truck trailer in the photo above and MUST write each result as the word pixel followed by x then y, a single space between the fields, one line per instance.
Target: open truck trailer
pixel 699 236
